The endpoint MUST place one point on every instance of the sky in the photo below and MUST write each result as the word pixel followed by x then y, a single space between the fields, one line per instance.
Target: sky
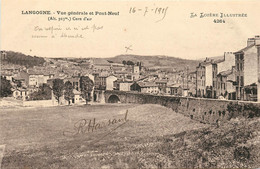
pixel 138 29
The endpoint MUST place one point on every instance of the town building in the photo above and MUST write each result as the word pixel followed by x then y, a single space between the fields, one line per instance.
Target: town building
pixel 149 87
pixel 207 71
pixel 204 79
pixel 125 85
pixel 191 83
pixel 100 82
pixel 247 70
pixel 75 81
pixel 174 89
pixel 110 82
pixel 225 87
pixel 33 78
pixel 162 85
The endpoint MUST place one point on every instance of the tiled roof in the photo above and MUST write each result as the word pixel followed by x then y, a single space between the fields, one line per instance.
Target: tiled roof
pixel 225 73
pixel 219 61
pixel 147 84
pixel 33 72
pixel 161 81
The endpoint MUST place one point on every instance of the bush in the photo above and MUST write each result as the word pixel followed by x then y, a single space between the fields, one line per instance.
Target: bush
pixel 44 93
pixel 249 110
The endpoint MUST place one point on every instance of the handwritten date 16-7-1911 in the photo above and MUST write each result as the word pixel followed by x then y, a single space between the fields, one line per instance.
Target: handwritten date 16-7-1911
pixel 146 11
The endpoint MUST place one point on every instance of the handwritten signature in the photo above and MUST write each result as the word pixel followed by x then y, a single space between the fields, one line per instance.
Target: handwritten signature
pixel 84 126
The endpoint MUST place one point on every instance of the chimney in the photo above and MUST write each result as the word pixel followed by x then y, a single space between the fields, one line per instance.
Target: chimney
pixel 257 40
pixel 250 41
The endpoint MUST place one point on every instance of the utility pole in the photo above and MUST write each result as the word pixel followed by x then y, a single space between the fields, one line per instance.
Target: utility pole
pixel 187 77
pixel 183 80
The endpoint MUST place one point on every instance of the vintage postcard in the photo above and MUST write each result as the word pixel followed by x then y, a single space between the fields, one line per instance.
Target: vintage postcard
pixel 129 84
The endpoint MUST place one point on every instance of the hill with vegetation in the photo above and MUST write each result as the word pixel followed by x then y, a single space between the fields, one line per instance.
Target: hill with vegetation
pixel 158 61
pixel 21 59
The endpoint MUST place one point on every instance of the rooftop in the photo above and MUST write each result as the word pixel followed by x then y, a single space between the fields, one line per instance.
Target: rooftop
pixel 147 84
pixel 226 73
pixel 244 49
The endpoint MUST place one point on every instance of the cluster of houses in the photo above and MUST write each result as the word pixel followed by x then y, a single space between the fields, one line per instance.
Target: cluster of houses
pixel 105 75
pixel 235 76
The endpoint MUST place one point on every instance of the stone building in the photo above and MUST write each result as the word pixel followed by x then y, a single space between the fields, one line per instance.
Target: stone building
pixel 247 68
pixel 207 71
pixel 204 79
pixel 110 82
pixel 221 65
pixel 225 84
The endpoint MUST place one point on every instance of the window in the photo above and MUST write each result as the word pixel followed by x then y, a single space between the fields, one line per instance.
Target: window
pixel 241 66
pixel 237 66
pixel 238 79
pixel 237 57
pixel 241 56
pixel 242 80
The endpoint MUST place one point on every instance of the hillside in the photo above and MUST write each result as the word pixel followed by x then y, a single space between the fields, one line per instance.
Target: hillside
pixel 152 137
pixel 163 61
pixel 18 58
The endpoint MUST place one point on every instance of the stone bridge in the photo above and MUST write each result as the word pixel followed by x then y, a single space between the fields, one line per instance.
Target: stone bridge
pixel 204 110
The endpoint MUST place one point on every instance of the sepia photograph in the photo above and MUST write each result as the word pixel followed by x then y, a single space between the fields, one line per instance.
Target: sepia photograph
pixel 129 84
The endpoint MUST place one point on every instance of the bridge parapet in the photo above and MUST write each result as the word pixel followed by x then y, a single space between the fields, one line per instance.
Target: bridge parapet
pixel 202 109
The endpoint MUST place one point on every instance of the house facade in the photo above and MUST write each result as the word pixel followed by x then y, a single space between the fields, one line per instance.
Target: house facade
pixel 204 79
pixel 225 87
pixel 247 70
pixel 110 82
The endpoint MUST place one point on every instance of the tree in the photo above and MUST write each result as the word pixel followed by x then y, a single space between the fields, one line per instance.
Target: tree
pixel 58 86
pixel 5 87
pixel 129 62
pixel 44 93
pixel 68 93
pixel 22 59
pixel 86 86
pixel 124 62
pixel 18 83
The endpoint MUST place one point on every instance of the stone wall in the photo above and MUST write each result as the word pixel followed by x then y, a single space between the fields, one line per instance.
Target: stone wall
pixel 211 111
pixel 38 103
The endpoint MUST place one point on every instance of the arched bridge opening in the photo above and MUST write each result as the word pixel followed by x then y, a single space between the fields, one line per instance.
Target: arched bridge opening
pixel 113 99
